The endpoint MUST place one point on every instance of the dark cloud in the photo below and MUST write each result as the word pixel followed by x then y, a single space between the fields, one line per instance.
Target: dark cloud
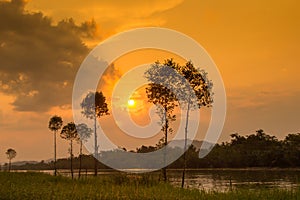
pixel 111 75
pixel 39 60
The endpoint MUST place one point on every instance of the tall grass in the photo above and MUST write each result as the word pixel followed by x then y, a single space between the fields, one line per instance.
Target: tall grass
pixel 120 186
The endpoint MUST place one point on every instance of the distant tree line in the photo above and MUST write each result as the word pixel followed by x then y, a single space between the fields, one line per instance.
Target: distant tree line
pixel 254 150
pixel 87 163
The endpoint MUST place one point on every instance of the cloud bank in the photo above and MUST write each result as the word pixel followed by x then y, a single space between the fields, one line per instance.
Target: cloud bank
pixel 39 60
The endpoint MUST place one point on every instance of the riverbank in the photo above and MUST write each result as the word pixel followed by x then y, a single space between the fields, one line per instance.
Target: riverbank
pixel 44 186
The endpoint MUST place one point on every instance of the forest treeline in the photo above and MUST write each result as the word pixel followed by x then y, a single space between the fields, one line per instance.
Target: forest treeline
pixel 254 150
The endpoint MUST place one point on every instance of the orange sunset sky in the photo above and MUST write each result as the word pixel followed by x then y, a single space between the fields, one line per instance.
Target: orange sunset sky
pixel 255 44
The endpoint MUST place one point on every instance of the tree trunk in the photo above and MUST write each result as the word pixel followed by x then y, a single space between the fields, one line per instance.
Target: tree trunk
pixel 185 145
pixel 96 148
pixel 71 156
pixel 80 159
pixel 165 146
pixel 55 170
pixel 9 164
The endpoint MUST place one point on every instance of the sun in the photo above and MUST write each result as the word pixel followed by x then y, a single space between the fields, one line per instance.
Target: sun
pixel 131 102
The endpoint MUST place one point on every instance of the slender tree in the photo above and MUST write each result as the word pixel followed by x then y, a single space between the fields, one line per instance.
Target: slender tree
pixel 69 132
pixel 193 95
pixel 159 94
pixel 55 123
pixel 84 133
pixel 94 106
pixel 10 153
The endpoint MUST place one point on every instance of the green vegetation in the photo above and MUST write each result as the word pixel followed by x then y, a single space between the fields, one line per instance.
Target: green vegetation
pixel 120 186
pixel 255 150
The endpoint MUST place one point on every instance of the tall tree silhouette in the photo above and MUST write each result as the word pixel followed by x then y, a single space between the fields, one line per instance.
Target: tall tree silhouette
pixel 69 132
pixel 84 132
pixel 157 92
pixel 193 95
pixel 55 123
pixel 11 154
pixel 94 106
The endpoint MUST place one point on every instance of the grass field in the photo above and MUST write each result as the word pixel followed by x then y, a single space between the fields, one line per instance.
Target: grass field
pixel 120 186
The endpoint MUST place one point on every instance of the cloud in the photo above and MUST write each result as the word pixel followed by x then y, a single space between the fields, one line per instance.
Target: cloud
pixel 108 9
pixel 108 80
pixel 259 96
pixel 113 16
pixel 39 60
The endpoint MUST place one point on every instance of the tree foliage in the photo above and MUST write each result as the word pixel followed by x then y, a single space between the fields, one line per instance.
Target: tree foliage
pixel 84 132
pixel 194 94
pixel 94 105
pixel 255 150
pixel 159 92
pixel 55 123
pixel 198 90
pixel 69 132
pixel 11 154
pixel 172 83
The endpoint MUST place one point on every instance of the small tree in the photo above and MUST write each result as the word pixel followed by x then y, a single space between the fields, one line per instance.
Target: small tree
pixel 84 133
pixel 11 154
pixel 55 124
pixel 159 94
pixel 69 132
pixel 93 106
pixel 193 95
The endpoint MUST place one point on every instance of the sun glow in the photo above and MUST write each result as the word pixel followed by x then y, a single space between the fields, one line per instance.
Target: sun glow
pixel 131 102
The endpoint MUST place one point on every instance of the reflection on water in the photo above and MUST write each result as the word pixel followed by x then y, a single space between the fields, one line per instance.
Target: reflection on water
pixel 220 179
pixel 227 179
